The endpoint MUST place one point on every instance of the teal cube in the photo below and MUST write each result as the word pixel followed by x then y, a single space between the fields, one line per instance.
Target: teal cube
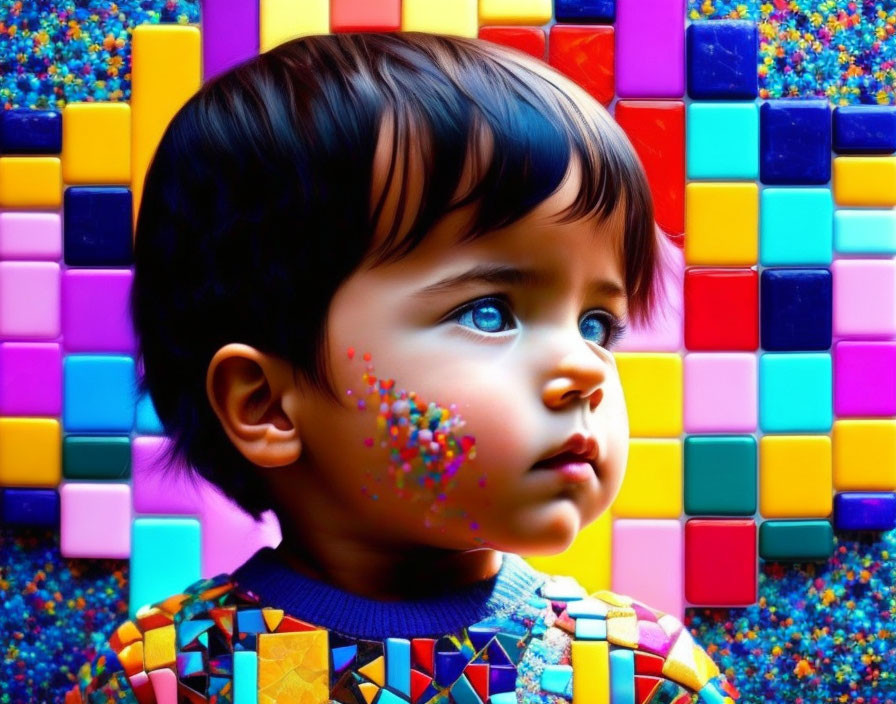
pixel 864 231
pixel 96 457
pixel 165 558
pixel 796 541
pixel 723 140
pixel 720 475
pixel 148 422
pixel 99 393
pixel 795 392
pixel 796 226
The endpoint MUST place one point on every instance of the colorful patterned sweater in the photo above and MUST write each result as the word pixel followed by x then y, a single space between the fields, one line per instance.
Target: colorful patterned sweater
pixel 540 638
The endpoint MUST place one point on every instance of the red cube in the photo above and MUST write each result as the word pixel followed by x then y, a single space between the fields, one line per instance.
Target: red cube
pixel 721 309
pixel 586 54
pixel 720 562
pixel 528 39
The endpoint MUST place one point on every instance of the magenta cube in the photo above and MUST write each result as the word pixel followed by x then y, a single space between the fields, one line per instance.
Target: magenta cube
pixel 95 314
pixel 865 378
pixel 30 379
pixel 155 491
pixel 35 236
pixel 650 48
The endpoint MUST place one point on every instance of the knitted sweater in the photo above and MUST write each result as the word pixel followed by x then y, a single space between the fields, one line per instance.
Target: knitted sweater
pixel 266 634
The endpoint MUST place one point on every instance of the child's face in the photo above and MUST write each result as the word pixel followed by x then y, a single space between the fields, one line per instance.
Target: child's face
pixel 522 377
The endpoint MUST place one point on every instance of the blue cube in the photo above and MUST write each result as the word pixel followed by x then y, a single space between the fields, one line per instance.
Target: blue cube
pixel 722 59
pixel 99 393
pixel 600 11
pixel 27 131
pixel 795 142
pixel 723 140
pixel 795 309
pixel 795 226
pixel 97 226
pixel 148 422
pixel 861 510
pixel 30 507
pixel 795 392
pixel 865 129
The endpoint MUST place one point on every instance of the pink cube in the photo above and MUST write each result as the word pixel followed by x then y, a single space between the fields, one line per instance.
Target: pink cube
pixel 95 313
pixel 720 392
pixel 648 563
pixel 29 300
pixel 30 236
pixel 30 379
pixel 864 298
pixel 95 520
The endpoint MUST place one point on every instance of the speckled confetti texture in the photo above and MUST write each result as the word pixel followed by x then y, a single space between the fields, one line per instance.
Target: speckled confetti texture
pixel 53 53
pixel 845 51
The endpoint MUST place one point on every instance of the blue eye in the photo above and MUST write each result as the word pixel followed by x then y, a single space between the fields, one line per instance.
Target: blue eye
pixel 491 315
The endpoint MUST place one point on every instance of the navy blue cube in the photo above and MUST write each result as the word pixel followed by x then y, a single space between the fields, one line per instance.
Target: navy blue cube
pixel 795 142
pixel 796 309
pixel 865 129
pixel 97 226
pixel 602 11
pixel 30 507
pixel 859 510
pixel 27 131
pixel 722 59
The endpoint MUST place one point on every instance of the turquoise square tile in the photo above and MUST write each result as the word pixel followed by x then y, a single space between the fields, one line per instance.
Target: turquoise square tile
pixel 723 140
pixel 148 422
pixel 795 392
pixel 99 392
pixel 165 558
pixel 865 231
pixel 796 226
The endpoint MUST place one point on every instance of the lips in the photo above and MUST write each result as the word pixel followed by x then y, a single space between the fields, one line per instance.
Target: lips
pixel 559 460
pixel 577 448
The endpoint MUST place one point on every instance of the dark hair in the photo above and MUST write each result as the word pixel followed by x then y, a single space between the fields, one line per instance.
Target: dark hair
pixel 257 203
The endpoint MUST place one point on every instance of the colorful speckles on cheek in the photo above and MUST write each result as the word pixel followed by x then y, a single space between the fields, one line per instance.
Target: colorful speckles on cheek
pixel 426 447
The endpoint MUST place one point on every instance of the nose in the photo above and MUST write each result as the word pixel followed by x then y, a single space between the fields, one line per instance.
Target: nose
pixel 579 373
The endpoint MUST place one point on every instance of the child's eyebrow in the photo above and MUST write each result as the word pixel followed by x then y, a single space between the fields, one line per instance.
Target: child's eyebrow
pixel 508 275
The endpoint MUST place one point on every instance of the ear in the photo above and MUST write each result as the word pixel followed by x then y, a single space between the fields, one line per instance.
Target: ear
pixel 256 399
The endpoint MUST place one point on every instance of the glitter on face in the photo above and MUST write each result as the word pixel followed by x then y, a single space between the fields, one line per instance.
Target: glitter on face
pixel 425 446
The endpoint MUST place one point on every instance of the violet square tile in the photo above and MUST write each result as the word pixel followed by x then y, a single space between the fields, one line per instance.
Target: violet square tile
pixel 864 298
pixel 650 48
pixel 720 392
pixel 95 313
pixel 34 236
pixel 29 300
pixel 30 379
pixel 159 487
pixel 865 378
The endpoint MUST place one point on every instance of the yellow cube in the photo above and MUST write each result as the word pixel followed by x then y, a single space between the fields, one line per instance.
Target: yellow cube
pixel 282 20
pixel 865 180
pixel 96 143
pixel 457 17
pixel 515 11
pixel 166 72
pixel 30 452
pixel 864 455
pixel 652 382
pixel 590 672
pixel 795 476
pixel 721 224
pixel 30 182
pixel 588 559
pixel 652 487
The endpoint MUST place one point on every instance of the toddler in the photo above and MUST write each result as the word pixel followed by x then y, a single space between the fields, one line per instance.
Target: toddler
pixel 378 281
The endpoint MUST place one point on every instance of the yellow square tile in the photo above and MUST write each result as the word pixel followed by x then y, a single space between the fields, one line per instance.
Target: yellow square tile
pixel 795 476
pixel 652 487
pixel 864 455
pixel 515 11
pixel 457 17
pixel 158 648
pixel 865 180
pixel 282 20
pixel 30 182
pixel 721 224
pixel 30 452
pixel 587 559
pixel 293 667
pixel 166 72
pixel 652 382
pixel 96 143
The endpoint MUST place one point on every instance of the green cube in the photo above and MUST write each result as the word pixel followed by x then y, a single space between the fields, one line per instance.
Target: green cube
pixel 796 541
pixel 720 475
pixel 96 457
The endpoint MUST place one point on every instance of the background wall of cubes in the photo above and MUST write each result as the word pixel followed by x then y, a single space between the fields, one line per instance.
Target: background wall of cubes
pixel 763 414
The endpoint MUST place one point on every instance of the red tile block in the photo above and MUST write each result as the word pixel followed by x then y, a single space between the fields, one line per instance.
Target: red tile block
pixel 365 16
pixel 529 39
pixel 721 309
pixel 585 54
pixel 720 562
pixel 656 128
